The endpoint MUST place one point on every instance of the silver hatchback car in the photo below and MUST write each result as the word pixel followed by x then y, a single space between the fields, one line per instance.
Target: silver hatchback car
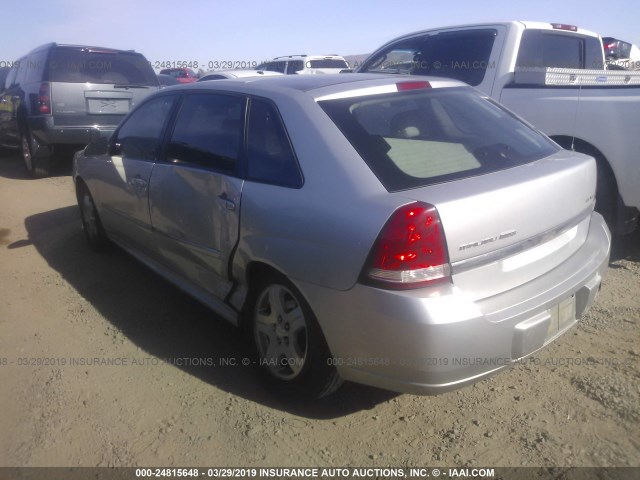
pixel 407 234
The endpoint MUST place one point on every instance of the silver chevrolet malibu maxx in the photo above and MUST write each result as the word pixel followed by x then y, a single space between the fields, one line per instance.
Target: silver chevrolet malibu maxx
pixel 407 234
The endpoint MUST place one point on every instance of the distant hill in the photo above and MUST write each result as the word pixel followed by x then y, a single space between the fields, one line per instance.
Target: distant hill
pixel 355 60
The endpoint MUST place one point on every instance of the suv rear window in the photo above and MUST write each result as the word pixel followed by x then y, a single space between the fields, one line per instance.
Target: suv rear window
pixel 463 55
pixel 72 65
pixel 417 138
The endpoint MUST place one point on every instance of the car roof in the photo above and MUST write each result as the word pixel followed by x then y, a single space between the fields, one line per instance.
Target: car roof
pixel 319 86
pixel 82 47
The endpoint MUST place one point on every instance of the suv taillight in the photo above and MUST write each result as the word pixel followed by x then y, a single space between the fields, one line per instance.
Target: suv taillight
pixel 410 251
pixel 44 98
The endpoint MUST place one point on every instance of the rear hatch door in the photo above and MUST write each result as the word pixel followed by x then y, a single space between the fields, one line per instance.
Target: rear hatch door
pixel 95 86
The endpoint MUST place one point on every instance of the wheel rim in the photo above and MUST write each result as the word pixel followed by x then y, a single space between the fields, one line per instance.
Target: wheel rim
pixel 280 331
pixel 89 218
pixel 26 153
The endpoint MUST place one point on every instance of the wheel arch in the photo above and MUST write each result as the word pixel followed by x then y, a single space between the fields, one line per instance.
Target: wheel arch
pixel 582 146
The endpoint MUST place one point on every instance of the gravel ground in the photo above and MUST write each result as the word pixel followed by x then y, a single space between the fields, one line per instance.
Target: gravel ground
pixel 577 403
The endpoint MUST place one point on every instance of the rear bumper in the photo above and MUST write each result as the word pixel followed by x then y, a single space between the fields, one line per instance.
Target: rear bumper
pixel 48 134
pixel 433 340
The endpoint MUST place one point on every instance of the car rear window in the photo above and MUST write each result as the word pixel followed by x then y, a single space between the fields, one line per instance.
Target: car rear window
pixel 463 55
pixel 416 138
pixel 542 49
pixel 71 65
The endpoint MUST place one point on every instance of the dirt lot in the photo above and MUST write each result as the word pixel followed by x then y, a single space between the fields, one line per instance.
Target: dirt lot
pixel 64 311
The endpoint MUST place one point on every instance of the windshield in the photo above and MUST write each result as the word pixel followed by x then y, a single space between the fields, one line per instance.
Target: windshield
pixel 417 138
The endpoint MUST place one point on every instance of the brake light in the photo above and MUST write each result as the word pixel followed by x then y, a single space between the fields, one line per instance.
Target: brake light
pixel 562 26
pixel 410 251
pixel 412 85
pixel 44 98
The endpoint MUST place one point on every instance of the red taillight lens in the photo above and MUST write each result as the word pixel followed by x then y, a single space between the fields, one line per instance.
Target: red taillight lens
pixel 412 85
pixel 44 98
pixel 410 251
pixel 562 26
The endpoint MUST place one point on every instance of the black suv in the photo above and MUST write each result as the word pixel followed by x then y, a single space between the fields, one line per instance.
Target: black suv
pixel 55 96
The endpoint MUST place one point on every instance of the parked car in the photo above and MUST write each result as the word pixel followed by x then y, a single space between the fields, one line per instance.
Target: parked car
pixel 183 75
pixel 167 80
pixel 552 75
pixel 407 234
pixel 621 55
pixel 306 64
pixel 226 74
pixel 55 96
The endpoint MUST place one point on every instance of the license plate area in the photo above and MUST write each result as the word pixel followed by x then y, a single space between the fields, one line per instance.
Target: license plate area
pixel 106 106
pixel 563 316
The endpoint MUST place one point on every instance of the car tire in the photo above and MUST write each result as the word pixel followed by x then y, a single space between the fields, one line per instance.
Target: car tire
pixel 91 223
pixel 38 166
pixel 290 347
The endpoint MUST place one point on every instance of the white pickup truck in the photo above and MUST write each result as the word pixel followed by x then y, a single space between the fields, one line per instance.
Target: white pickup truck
pixel 552 75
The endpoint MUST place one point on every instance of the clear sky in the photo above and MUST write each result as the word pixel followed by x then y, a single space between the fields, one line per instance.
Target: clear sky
pixel 206 31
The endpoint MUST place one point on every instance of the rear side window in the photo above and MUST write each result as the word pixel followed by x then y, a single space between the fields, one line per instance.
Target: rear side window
pixel 327 63
pixel 274 66
pixel 140 135
pixel 35 67
pixel 549 49
pixel 208 131
pixel 417 138
pixel 463 55
pixel 270 156
pixel 72 65
pixel 295 66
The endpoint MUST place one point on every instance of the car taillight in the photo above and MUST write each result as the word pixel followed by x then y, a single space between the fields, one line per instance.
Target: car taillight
pixel 562 26
pixel 412 85
pixel 44 98
pixel 410 251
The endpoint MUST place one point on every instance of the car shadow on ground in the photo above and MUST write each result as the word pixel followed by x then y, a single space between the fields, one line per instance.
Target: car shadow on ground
pixel 166 323
pixel 14 169
pixel 625 247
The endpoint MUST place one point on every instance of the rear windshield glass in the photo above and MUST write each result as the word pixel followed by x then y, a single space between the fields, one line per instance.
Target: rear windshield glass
pixel 422 137
pixel 80 66
pixel 463 55
pixel 328 63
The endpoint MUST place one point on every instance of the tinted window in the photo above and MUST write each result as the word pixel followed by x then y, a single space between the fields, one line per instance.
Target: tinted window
pixel 100 66
pixel 463 55
pixel 417 138
pixel 270 156
pixel 543 49
pixel 327 63
pixel 35 66
pixel 274 66
pixel 140 134
pixel 208 131
pixel 295 66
